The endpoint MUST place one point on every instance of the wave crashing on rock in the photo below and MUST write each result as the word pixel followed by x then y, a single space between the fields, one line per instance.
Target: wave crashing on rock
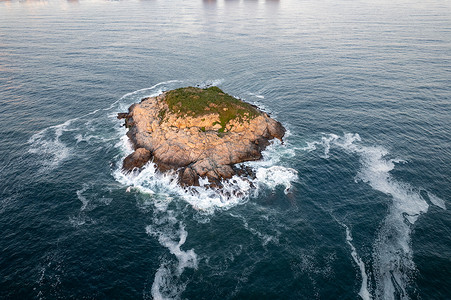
pixel 199 133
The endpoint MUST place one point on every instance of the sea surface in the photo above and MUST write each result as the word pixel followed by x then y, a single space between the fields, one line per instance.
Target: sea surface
pixel 355 204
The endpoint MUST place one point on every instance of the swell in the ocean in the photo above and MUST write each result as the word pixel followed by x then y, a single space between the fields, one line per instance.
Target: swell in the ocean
pixel 392 263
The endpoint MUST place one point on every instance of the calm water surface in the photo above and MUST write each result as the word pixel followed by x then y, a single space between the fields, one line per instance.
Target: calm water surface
pixel 354 204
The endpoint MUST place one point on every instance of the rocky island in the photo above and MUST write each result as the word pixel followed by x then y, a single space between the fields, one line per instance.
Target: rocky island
pixel 197 133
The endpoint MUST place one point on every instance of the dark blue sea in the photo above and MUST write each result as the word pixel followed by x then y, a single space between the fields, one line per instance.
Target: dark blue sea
pixel 355 204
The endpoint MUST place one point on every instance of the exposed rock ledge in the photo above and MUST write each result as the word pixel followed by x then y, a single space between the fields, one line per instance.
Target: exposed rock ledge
pixel 198 133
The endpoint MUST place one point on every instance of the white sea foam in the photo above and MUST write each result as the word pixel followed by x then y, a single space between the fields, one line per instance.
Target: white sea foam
pixel 163 287
pixel 81 197
pixel 89 197
pixel 51 271
pixel 48 145
pixel 171 234
pixel 392 251
pixel 311 146
pixel 257 96
pixel 234 191
pixel 145 90
pixel 214 82
pixel 264 237
pixel 81 220
pixel 437 201
pixel 325 142
pixel 375 171
pixel 363 293
pixel 276 175
pixel 173 241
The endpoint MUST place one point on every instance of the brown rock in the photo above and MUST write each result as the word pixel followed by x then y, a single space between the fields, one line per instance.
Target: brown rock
pixel 136 160
pixel 122 115
pixel 196 146
pixel 188 177
pixel 276 129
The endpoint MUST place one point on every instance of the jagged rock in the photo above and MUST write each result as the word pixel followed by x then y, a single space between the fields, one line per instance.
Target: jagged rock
pixel 122 115
pixel 188 176
pixel 198 132
pixel 136 160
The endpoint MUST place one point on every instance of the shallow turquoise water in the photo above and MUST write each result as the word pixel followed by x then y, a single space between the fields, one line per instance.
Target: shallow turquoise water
pixel 353 205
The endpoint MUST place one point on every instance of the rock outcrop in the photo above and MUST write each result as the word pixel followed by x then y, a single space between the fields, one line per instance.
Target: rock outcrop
pixel 198 133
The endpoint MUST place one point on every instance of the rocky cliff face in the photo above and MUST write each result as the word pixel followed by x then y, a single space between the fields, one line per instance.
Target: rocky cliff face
pixel 198 133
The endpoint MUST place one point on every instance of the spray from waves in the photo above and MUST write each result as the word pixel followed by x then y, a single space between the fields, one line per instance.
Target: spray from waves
pixel 392 253
pixel 235 191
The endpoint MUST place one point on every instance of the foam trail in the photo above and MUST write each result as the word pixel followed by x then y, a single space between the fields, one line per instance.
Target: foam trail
pixel 48 144
pixel 171 234
pixel 163 288
pixel 437 201
pixel 82 198
pixel 325 142
pixel 392 253
pixel 147 89
pixel 265 238
pixel 311 146
pixel 363 293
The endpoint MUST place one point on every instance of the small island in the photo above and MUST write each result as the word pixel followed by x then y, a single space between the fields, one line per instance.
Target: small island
pixel 199 133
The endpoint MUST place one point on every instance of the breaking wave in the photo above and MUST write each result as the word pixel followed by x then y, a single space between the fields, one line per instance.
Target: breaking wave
pixel 235 191
pixel 392 252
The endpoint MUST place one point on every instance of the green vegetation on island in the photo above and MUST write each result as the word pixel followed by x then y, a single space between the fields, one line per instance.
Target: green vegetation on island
pixel 196 102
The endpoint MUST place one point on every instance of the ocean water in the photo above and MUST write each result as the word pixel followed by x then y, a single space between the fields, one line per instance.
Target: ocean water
pixel 354 204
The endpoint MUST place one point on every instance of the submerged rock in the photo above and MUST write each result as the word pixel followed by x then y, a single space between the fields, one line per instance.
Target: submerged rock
pixel 198 133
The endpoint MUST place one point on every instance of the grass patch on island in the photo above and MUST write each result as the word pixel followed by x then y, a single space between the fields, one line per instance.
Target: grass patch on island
pixel 195 102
